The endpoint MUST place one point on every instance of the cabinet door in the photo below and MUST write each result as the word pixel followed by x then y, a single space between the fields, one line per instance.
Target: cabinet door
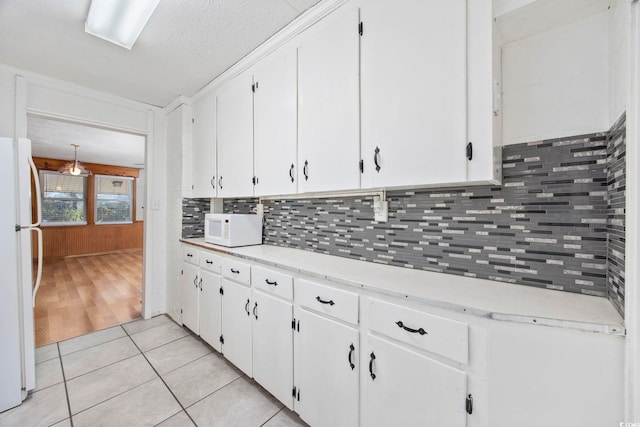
pixel 275 125
pixel 211 309
pixel 326 371
pixel 190 289
pixel 204 147
pixel 410 389
pixel 414 102
pixel 328 97
pixel 236 324
pixel 235 138
pixel 273 346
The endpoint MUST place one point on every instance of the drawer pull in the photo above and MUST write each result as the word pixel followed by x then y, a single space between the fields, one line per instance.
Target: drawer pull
pixel 321 301
pixel 246 307
pixel 372 357
pixel 255 307
pixel 351 350
pixel 408 329
pixel 190 255
pixel 235 271
pixel 269 282
pixel 209 262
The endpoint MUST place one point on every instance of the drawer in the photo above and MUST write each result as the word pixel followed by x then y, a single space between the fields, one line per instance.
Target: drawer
pixel 273 282
pixel 210 262
pixel 190 254
pixel 236 270
pixel 446 337
pixel 331 301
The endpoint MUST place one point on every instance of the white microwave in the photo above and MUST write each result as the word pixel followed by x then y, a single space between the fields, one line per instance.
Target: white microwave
pixel 233 229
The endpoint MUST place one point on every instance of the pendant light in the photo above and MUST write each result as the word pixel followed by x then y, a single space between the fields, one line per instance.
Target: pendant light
pixel 74 167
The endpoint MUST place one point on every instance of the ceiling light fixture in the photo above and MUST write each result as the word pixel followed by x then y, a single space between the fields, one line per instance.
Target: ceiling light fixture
pixel 74 167
pixel 119 21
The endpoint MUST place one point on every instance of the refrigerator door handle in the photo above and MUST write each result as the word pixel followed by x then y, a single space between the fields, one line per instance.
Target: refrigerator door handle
pixel 39 272
pixel 36 181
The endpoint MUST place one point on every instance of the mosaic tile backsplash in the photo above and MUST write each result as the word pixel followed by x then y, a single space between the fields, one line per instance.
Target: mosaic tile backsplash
pixel 616 151
pixel 193 211
pixel 546 226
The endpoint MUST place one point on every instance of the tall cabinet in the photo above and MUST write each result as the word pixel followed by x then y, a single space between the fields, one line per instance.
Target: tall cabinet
pixel 414 92
pixel 203 174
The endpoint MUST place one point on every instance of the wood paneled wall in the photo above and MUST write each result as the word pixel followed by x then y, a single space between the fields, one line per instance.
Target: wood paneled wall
pixel 60 241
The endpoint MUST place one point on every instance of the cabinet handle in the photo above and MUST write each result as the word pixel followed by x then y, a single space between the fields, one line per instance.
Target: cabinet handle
pixel 209 262
pixel 190 255
pixel 291 172
pixel 200 284
pixel 195 281
pixel 321 301
pixel 269 282
pixel 235 271
pixel 351 350
pixel 408 329
pixel 376 155
pixel 372 357
pixel 220 182
pixel 304 170
pixel 254 310
pixel 246 307
pixel 213 182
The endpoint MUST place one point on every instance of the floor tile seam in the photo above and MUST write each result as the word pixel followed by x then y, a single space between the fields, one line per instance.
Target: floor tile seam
pixel 166 419
pixel 214 392
pixel 182 366
pixel 66 391
pixel 162 379
pixel 273 416
pixel 92 346
pixel 112 397
pixel 148 329
pixel 47 360
pixel 168 342
pixel 105 366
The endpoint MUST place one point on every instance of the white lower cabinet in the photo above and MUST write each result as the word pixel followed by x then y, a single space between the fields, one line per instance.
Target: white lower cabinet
pixel 405 388
pixel 190 292
pixel 326 371
pixel 210 310
pixel 236 324
pixel 273 345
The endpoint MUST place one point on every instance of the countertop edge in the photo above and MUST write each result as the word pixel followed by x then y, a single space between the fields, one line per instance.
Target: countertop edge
pixel 605 328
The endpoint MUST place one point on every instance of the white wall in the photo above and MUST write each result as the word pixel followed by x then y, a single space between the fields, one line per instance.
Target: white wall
pixel 618 58
pixel 40 94
pixel 555 83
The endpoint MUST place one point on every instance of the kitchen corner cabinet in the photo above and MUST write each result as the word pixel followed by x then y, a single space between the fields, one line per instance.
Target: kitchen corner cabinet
pixel 275 124
pixel 328 104
pixel 235 137
pixel 204 147
pixel 414 92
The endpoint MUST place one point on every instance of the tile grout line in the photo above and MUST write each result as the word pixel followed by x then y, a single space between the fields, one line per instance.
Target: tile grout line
pixel 64 381
pixel 273 416
pixel 161 379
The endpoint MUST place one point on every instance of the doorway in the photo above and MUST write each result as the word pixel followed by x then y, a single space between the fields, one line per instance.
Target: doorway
pixel 93 226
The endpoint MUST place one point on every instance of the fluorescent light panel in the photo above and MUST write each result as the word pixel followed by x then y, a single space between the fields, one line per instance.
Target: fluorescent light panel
pixel 119 21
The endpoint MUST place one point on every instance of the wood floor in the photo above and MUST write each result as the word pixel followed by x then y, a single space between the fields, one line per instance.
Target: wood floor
pixel 84 294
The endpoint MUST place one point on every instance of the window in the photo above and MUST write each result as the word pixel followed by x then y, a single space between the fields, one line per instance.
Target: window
pixel 63 199
pixel 114 199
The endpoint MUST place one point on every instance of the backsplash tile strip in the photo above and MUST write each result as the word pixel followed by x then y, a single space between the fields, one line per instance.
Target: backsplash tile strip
pixel 616 187
pixel 546 226
pixel 557 222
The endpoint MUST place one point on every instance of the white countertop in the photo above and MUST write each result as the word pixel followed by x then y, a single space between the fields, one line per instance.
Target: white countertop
pixel 486 298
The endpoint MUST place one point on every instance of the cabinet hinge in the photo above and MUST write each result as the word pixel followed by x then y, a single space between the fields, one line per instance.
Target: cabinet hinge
pixel 182 272
pixel 221 339
pixel 293 392
pixel 293 324
pixel 361 164
pixel 254 180
pixel 361 28
pixel 470 151
pixel 221 291
pixel 298 326
pixel 193 120
pixel 253 88
pixel 469 404
pixel 180 311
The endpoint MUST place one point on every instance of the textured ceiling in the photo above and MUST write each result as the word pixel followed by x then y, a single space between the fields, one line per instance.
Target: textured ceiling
pixel 185 45
pixel 52 139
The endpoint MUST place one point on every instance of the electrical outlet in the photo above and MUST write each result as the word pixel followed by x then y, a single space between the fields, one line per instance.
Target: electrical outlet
pixel 380 209
pixel 260 209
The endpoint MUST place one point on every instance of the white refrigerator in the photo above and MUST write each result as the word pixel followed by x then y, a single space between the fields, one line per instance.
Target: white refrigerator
pixel 17 285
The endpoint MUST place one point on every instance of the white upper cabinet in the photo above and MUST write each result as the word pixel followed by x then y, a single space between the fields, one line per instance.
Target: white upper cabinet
pixel 179 132
pixel 275 124
pixel 328 104
pixel 414 92
pixel 235 137
pixel 204 147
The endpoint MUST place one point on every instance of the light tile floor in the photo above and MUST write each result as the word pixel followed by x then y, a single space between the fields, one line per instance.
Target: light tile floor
pixel 144 373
